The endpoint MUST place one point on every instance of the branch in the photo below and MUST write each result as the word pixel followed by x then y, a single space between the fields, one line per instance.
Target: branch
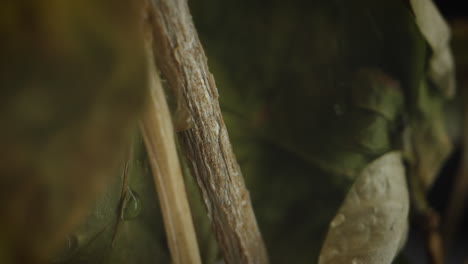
pixel 182 61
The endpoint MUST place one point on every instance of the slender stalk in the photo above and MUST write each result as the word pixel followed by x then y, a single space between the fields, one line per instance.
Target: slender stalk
pixel 428 221
pixel 183 63
pixel 457 199
pixel 158 135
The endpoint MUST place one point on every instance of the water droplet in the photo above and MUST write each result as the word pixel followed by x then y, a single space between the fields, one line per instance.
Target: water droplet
pixel 338 220
pixel 131 206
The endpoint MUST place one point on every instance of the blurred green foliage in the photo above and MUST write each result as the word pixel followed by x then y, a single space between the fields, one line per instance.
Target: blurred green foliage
pixel 72 80
pixel 312 91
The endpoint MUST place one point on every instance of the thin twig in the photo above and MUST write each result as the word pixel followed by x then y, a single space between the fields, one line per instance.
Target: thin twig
pixel 182 62
pixel 428 221
pixel 458 196
pixel 158 135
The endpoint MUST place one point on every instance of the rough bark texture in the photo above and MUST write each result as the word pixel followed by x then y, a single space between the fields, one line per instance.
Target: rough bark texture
pixel 181 59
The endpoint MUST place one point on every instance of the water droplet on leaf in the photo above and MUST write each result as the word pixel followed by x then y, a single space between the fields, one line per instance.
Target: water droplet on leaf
pixel 132 205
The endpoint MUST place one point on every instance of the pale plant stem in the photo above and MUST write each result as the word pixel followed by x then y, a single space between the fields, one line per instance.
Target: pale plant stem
pixel 158 134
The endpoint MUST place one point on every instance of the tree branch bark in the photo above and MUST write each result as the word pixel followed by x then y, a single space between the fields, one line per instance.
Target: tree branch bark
pixel 182 61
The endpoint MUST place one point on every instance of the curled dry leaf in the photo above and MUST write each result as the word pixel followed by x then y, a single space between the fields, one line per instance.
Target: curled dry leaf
pixel 371 225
